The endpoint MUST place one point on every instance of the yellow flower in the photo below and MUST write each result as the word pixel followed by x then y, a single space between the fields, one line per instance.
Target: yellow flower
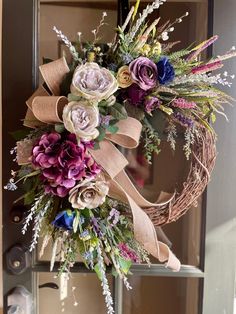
pixel 156 49
pixel 124 77
pixel 91 56
pixel 145 49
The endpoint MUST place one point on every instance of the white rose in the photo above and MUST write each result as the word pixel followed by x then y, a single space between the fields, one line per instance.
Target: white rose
pixel 81 118
pixel 89 194
pixel 93 82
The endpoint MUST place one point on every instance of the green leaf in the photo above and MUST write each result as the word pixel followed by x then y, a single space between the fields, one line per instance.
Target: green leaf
pixel 98 271
pixel 102 134
pixel 213 118
pixel 96 146
pixel 72 97
pixel 118 111
pixel 114 272
pixel 19 134
pixel 59 128
pixel 29 197
pixel 124 265
pixel 69 212
pixel 113 121
pixel 112 129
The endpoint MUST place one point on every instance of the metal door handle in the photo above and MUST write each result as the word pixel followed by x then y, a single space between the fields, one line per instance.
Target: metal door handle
pixel 51 285
pixel 20 301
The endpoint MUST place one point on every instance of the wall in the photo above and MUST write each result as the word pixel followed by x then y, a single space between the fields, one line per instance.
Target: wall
pixel 0 155
pixel 221 218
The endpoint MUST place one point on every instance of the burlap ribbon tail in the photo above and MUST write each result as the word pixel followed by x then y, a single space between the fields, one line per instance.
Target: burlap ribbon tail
pixel 44 107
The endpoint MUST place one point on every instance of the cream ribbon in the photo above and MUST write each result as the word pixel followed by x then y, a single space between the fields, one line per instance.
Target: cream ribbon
pixel 45 108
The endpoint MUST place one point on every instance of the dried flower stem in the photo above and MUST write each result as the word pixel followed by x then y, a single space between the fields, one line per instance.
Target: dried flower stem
pixel 66 41
pixel 104 284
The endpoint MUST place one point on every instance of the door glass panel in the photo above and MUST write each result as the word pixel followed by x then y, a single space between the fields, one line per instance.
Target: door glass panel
pixel 154 295
pixel 84 294
pixel 70 18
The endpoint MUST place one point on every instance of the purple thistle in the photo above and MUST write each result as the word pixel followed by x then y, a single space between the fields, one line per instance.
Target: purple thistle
pixel 127 253
pixel 212 66
pixel 183 103
pixel 202 47
pixel 183 119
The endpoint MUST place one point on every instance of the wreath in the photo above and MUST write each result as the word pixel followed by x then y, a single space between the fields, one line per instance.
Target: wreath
pixel 71 166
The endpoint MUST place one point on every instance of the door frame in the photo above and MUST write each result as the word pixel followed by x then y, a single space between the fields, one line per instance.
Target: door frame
pixel 20 55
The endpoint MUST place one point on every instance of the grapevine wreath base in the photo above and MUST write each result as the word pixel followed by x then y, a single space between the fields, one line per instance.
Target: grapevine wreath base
pixel 201 165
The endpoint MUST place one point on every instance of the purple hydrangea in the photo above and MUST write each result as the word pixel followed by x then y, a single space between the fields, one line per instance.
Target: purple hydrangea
pixel 62 162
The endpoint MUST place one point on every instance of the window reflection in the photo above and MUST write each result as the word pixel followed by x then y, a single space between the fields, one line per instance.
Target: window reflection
pixel 158 295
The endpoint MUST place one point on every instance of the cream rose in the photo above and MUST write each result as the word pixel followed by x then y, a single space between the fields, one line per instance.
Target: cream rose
pixel 124 77
pixel 93 82
pixel 89 194
pixel 82 119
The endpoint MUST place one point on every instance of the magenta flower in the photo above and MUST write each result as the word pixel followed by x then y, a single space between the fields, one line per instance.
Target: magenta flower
pixel 45 152
pixel 144 73
pixel 63 162
pixel 152 103
pixel 135 95
pixel 127 253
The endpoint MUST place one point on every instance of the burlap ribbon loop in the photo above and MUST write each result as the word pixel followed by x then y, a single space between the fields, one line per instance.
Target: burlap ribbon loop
pixel 43 108
pixel 128 134
pixel 53 74
pixel 49 109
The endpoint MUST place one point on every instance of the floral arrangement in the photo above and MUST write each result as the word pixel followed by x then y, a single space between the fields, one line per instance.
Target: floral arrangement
pixel 73 175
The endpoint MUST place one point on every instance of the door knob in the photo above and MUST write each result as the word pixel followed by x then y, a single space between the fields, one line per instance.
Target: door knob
pixel 17 213
pixel 17 260
pixel 20 301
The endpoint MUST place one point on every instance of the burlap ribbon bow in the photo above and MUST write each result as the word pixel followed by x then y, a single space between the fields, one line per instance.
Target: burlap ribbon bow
pixel 47 108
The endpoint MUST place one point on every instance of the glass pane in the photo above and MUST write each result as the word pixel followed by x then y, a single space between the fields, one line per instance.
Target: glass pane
pixel 83 289
pixel 155 295
pixel 70 18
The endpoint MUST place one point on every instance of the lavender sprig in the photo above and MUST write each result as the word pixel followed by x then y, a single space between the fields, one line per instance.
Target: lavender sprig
pixel 104 284
pixel 37 224
pixel 32 211
pixel 66 41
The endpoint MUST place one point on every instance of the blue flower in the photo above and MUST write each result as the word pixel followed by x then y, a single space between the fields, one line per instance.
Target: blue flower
pixel 166 72
pixel 64 220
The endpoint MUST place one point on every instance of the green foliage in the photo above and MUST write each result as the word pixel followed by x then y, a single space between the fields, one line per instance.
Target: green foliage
pixel 20 134
pixel 118 111
pixel 175 56
pixel 124 265
pixel 151 141
pixel 59 128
